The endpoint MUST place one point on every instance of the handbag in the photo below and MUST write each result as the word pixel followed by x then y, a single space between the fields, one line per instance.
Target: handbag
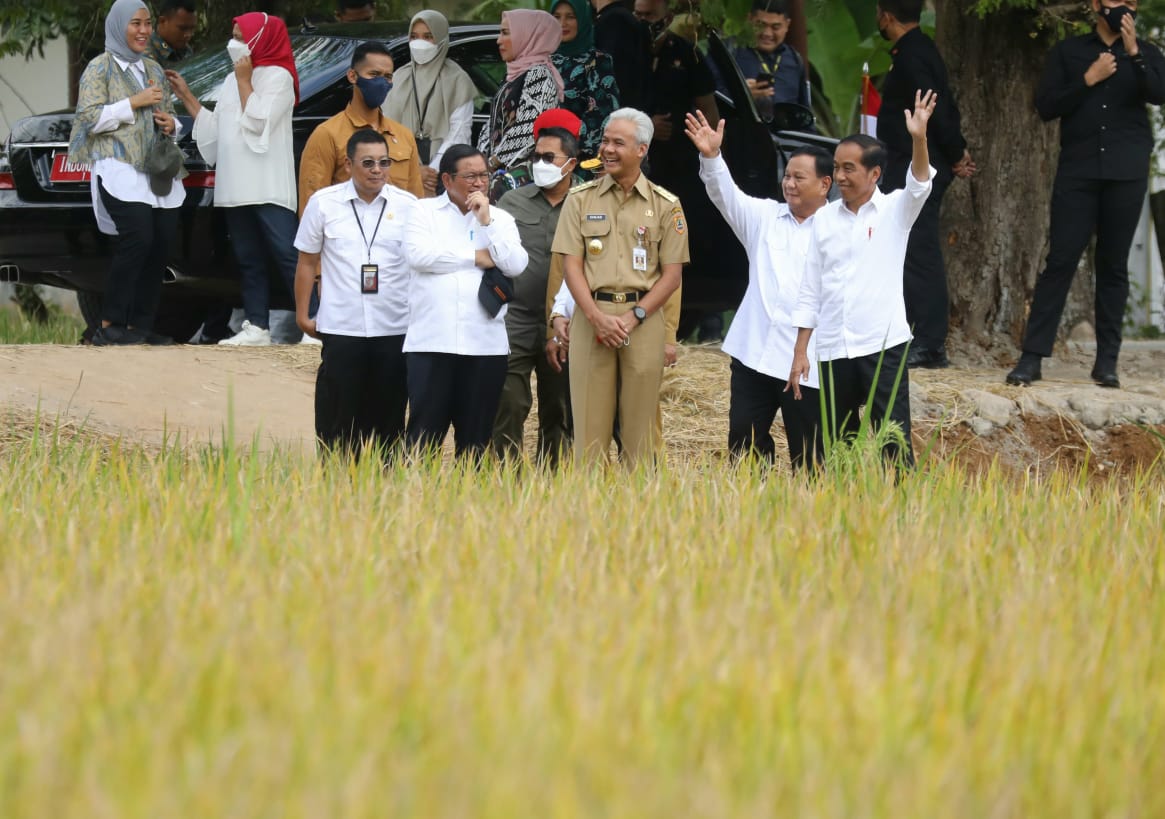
pixel 495 291
pixel 164 163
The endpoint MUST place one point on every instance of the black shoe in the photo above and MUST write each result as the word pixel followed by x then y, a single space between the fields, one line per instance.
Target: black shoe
pixel 1026 371
pixel 1105 377
pixel 927 358
pixel 155 339
pixel 113 336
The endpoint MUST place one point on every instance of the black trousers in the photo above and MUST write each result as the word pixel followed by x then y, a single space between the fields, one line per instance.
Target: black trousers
pixel 847 383
pixel 755 399
pixel 133 287
pixel 462 390
pixel 1081 207
pixel 361 393
pixel 924 273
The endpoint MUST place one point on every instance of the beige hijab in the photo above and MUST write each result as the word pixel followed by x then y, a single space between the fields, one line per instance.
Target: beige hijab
pixel 424 97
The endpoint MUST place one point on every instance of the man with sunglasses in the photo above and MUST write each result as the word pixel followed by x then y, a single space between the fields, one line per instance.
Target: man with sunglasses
pixel 457 348
pixel 353 234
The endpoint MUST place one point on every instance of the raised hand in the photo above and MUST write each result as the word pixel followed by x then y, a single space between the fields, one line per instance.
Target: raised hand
pixel 702 135
pixel 1128 34
pixel 917 120
pixel 1103 68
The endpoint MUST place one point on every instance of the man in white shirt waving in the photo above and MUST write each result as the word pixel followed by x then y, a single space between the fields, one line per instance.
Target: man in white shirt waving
pixel 851 292
pixel 760 341
pixel 353 233
pixel 457 351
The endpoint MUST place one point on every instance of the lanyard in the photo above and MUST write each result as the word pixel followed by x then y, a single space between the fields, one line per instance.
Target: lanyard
pixel 770 68
pixel 360 224
pixel 420 129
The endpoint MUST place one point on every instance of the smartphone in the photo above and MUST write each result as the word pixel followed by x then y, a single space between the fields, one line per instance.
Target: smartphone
pixel 764 78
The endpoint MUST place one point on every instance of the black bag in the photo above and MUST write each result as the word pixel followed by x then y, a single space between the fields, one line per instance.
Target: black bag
pixel 425 150
pixel 495 291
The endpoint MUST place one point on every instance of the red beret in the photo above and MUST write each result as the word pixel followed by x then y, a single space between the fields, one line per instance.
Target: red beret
pixel 558 118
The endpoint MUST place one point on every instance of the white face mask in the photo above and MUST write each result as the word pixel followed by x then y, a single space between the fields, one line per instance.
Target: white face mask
pixel 547 174
pixel 237 49
pixel 422 51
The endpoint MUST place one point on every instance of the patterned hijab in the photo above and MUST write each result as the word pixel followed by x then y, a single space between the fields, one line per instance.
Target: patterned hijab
pixel 584 41
pixel 535 35
pixel 116 22
pixel 267 38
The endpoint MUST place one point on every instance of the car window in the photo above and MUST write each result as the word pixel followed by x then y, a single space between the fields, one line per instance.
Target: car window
pixel 204 73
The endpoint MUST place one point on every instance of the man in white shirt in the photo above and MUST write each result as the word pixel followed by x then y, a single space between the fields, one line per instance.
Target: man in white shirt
pixel 457 352
pixel 851 292
pixel 353 234
pixel 776 237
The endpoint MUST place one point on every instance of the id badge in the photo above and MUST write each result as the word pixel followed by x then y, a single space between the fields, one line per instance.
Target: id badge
pixel 639 259
pixel 369 278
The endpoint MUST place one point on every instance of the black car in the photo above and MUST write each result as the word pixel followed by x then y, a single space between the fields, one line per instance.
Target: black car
pixel 48 234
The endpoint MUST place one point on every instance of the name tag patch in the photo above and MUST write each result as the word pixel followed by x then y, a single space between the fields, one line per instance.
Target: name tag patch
pixel 596 217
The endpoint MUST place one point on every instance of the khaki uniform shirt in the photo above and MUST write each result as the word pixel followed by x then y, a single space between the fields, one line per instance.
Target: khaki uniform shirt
pixel 602 226
pixel 322 162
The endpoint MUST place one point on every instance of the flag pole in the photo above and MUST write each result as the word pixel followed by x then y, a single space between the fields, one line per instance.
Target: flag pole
pixel 862 97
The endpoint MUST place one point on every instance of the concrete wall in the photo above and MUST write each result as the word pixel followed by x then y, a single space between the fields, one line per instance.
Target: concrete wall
pixel 33 86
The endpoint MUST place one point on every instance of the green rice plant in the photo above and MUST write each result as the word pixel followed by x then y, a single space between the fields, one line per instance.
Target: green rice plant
pixel 59 328
pixel 221 631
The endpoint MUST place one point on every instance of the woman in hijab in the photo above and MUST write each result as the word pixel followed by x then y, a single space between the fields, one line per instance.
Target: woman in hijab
pixel 432 95
pixel 588 75
pixel 122 100
pixel 533 85
pixel 248 138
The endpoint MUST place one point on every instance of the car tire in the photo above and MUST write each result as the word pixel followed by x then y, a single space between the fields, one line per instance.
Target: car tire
pixel 177 317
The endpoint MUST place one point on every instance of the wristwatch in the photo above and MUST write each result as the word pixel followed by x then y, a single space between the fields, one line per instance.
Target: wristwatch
pixel 640 313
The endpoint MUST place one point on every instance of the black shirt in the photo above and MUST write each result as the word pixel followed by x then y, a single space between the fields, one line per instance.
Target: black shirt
pixel 625 38
pixel 679 74
pixel 1104 129
pixel 918 65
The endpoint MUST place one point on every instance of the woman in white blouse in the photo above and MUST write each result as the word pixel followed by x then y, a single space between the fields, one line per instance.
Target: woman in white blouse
pixel 122 99
pixel 247 137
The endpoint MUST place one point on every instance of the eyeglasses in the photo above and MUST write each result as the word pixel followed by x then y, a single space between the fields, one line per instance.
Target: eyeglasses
pixel 549 156
pixel 369 163
pixel 472 177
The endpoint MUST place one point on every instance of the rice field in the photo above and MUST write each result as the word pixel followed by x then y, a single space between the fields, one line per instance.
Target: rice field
pixel 225 633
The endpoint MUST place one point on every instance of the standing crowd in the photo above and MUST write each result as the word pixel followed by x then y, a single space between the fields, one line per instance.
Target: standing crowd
pixel 439 274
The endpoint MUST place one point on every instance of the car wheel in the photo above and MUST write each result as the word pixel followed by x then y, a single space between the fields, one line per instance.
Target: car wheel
pixel 177 317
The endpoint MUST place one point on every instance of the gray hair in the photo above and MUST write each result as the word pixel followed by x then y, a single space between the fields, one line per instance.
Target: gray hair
pixel 644 129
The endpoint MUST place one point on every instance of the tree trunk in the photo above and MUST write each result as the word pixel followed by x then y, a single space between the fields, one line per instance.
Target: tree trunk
pixel 996 224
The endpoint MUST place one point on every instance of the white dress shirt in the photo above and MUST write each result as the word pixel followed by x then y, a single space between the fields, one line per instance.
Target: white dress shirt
pixel 444 313
pixel 121 180
pixel 251 149
pixel 762 335
pixel 851 292
pixel 329 228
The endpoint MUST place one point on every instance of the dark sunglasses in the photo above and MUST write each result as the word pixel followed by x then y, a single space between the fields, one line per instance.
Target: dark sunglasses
pixel 369 163
pixel 549 156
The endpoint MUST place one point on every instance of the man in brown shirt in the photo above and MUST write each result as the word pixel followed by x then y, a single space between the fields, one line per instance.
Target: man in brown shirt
pixel 624 242
pixel 323 160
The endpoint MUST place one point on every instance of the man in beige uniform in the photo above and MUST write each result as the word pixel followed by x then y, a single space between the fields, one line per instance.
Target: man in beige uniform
pixel 624 242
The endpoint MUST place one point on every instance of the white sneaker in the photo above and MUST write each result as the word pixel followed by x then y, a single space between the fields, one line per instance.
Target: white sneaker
pixel 249 336
pixel 311 342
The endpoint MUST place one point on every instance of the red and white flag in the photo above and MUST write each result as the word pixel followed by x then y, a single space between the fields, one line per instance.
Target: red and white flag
pixel 871 103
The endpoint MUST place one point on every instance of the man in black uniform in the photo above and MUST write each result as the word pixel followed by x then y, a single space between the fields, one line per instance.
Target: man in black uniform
pixel 682 83
pixel 917 67
pixel 619 34
pixel 1097 85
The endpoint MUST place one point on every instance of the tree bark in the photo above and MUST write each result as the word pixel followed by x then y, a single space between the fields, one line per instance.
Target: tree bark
pixel 995 226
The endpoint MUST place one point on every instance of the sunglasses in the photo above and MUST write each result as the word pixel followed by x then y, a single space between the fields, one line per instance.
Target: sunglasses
pixel 369 163
pixel 549 156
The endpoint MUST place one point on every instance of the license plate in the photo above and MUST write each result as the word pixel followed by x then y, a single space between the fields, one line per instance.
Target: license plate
pixel 66 171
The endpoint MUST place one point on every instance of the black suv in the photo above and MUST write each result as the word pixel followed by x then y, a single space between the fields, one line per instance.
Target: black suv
pixel 48 234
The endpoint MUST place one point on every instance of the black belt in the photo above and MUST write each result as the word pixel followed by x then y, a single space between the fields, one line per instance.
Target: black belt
pixel 630 297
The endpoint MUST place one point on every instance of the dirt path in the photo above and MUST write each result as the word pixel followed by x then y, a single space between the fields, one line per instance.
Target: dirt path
pixel 145 394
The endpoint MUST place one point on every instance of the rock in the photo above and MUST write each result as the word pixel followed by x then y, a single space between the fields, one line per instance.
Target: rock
pixel 980 426
pixel 1092 412
pixel 991 407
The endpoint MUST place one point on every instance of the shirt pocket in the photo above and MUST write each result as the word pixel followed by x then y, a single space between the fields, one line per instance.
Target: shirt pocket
pixel 597 238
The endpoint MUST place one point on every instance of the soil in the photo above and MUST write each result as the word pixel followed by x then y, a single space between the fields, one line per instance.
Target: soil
pixel 199 395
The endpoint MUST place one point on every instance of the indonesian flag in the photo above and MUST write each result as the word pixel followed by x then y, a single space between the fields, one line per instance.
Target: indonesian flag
pixel 871 103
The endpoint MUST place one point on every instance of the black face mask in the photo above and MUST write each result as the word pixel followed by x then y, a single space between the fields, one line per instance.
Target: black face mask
pixel 657 28
pixel 1113 16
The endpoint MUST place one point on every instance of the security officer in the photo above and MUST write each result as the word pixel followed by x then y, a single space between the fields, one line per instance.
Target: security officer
pixel 625 242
